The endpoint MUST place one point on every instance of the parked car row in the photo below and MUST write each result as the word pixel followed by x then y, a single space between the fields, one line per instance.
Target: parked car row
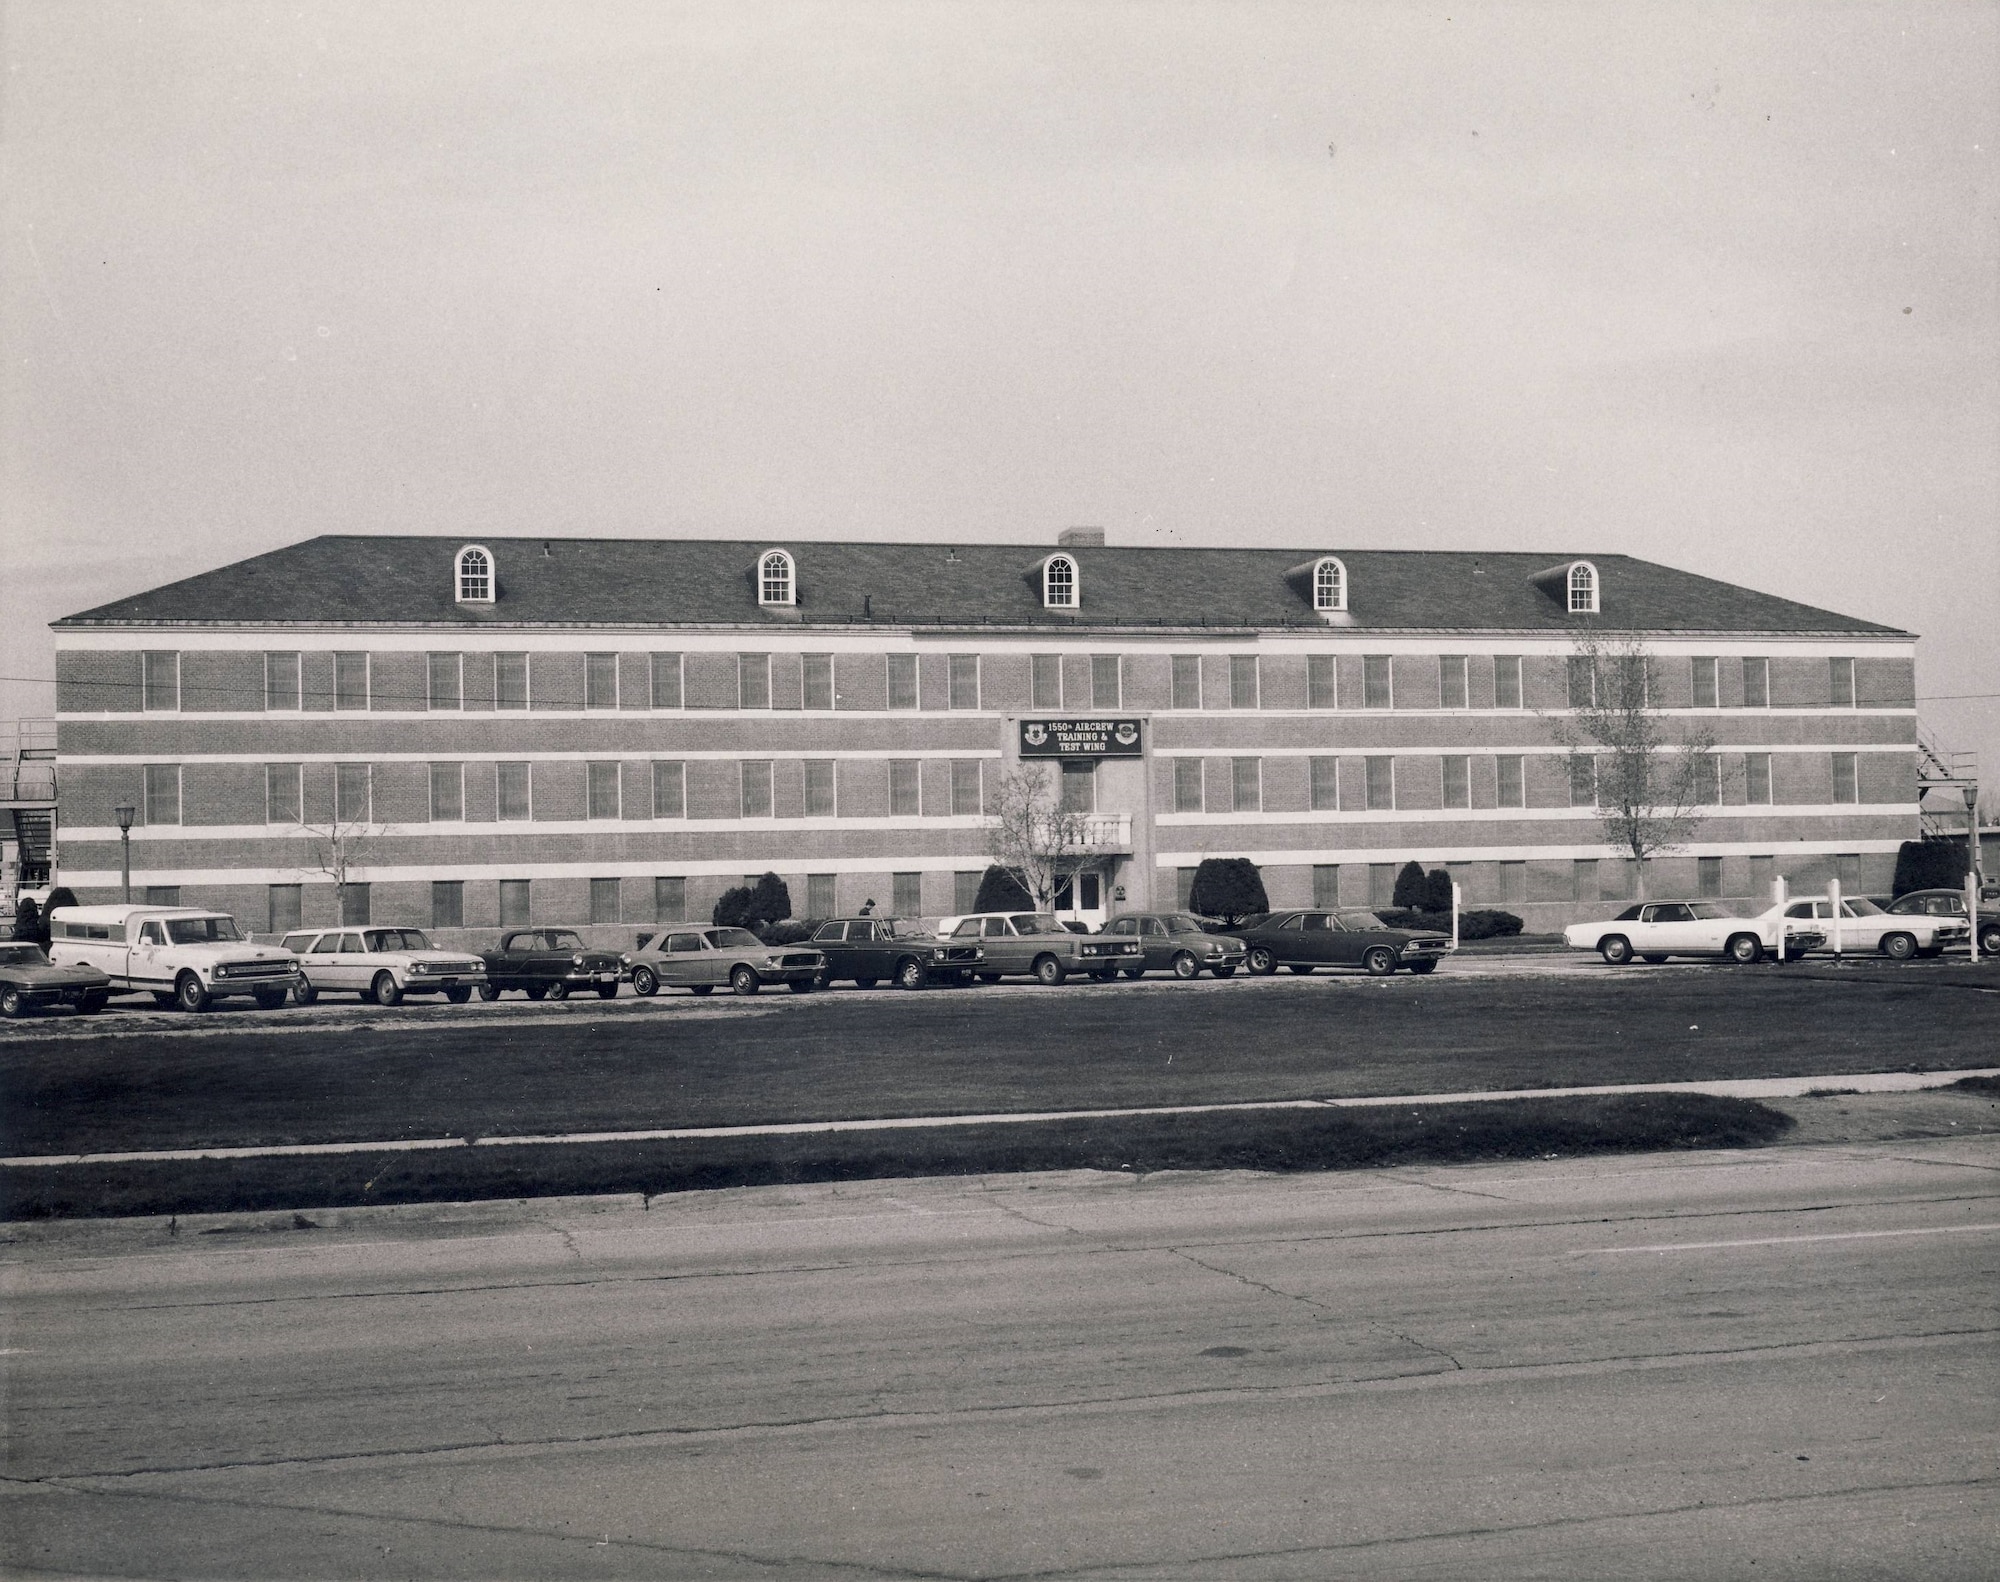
pixel 1657 931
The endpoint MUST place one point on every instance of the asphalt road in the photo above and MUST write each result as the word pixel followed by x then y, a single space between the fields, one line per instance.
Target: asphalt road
pixel 1778 1364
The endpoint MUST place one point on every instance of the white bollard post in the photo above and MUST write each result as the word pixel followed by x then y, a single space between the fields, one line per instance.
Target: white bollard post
pixel 1972 913
pixel 1833 908
pixel 1779 896
pixel 1457 897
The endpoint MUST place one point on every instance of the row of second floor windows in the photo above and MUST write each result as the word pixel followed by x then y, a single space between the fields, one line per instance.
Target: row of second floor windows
pixel 360 681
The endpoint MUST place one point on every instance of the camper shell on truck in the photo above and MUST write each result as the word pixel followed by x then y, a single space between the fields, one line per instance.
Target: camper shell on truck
pixel 181 955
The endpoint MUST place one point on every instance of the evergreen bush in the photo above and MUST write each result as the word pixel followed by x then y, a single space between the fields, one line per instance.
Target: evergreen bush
pixel 1412 889
pixel 754 906
pixel 1000 891
pixel 1437 891
pixel 1936 864
pixel 1229 888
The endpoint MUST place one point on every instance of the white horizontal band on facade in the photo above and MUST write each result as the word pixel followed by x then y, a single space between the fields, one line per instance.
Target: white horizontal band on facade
pixel 1464 854
pixel 531 756
pixel 1502 815
pixel 143 834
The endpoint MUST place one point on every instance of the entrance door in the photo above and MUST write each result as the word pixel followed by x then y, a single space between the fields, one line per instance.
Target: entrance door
pixel 1083 900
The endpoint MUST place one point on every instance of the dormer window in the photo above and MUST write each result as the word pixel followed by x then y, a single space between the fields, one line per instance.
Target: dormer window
pixel 775 581
pixel 473 575
pixel 1582 588
pixel 1059 583
pixel 1329 586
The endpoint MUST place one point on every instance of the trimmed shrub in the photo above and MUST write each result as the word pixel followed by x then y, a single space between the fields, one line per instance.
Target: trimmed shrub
pixel 1000 891
pixel 790 932
pixel 1481 924
pixel 1437 891
pixel 1929 865
pixel 754 906
pixel 28 924
pixel 1229 888
pixel 1412 889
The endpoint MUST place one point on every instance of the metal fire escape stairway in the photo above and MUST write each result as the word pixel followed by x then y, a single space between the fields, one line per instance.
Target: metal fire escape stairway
pixel 28 781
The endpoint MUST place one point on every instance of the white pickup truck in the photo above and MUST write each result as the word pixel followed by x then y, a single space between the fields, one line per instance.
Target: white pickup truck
pixel 181 955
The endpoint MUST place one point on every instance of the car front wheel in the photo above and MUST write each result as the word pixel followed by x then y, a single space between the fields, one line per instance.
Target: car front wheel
pixel 1049 971
pixel 645 982
pixel 557 991
pixel 743 980
pixel 1745 948
pixel 1615 949
pixel 11 1003
pixel 1989 938
pixel 1899 947
pixel 910 973
pixel 1380 961
pixel 303 993
pixel 489 991
pixel 1184 964
pixel 1134 972
pixel 386 992
pixel 1262 962
pixel 189 994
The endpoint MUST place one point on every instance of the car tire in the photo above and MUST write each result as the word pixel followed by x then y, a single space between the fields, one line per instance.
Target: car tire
pixel 1989 939
pixel 744 981
pixel 93 1001
pixel 489 992
pixel 645 982
pixel 13 1004
pixel 910 973
pixel 1302 968
pixel 864 983
pixel 538 991
pixel 803 985
pixel 189 994
pixel 459 994
pixel 1652 960
pixel 383 990
pixel 607 991
pixel 1424 968
pixel 556 991
pixel 1226 970
pixel 303 993
pixel 272 999
pixel 1899 947
pixel 1049 971
pixel 1184 964
pixel 1133 972
pixel 1616 949
pixel 1262 962
pixel 164 999
pixel 1379 960
pixel 1744 949
pixel 989 977
pixel 701 990
pixel 822 979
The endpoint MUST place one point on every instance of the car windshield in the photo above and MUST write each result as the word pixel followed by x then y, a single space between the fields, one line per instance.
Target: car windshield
pixel 1181 923
pixel 199 930
pixel 21 956
pixel 565 939
pixel 397 939
pixel 1031 923
pixel 734 939
pixel 1359 920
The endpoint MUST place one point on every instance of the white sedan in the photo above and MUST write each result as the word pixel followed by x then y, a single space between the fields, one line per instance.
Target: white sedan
pixel 1865 926
pixel 1655 930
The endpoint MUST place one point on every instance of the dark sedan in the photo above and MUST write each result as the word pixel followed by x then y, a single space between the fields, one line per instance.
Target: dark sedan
pixel 29 980
pixel 1303 941
pixel 1951 903
pixel 547 964
pixel 866 950
pixel 1178 943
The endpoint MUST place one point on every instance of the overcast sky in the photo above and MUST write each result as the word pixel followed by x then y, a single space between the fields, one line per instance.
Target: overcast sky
pixel 1713 284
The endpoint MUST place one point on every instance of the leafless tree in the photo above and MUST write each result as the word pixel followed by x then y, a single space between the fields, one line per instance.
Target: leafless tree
pixel 1034 837
pixel 335 848
pixel 1655 776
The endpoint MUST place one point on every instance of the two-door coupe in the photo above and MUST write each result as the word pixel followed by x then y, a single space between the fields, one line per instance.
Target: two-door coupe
pixel 701 960
pixel 1178 943
pixel 29 980
pixel 867 950
pixel 1303 941
pixel 1655 930
pixel 547 963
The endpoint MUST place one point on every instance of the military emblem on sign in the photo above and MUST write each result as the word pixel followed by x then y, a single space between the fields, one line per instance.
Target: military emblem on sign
pixel 1127 733
pixel 1034 735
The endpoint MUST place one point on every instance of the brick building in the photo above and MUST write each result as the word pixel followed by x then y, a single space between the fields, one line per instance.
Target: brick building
pixel 615 731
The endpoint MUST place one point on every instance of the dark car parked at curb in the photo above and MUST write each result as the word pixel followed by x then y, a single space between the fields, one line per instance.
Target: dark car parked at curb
pixel 29 981
pixel 1951 903
pixel 1179 943
pixel 1034 944
pixel 868 950
pixel 1303 941
pixel 547 964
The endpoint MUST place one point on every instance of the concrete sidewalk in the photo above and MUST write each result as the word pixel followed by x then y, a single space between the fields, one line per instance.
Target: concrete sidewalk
pixel 1736 1088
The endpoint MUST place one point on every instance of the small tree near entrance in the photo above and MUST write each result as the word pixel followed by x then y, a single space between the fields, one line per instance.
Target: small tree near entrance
pixel 1654 777
pixel 1034 838
pixel 1229 888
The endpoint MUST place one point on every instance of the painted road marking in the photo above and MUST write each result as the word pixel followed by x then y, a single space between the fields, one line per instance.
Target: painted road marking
pixel 1786 1241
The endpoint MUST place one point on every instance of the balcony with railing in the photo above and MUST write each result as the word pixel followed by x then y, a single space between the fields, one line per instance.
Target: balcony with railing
pixel 1106 832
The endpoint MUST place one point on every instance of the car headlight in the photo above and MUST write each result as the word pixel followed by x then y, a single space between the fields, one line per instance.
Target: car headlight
pixel 222 969
pixel 625 958
pixel 576 961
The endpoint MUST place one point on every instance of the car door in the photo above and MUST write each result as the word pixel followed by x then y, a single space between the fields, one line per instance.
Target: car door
pixel 680 960
pixel 1670 927
pixel 830 940
pixel 1006 949
pixel 315 960
pixel 1324 942
pixel 146 965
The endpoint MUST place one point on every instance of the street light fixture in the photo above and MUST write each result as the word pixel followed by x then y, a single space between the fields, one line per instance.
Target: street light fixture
pixel 126 812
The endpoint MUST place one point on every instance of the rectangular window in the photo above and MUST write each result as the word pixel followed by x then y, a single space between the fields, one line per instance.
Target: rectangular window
pixel 1457 781
pixel 902 681
pixel 514 902
pixel 1582 780
pixel 1708 877
pixel 1451 681
pixel 511 785
pixel 510 682
pixel 666 681
pixel 1506 681
pixel 1846 783
pixel 167 895
pixel 444 681
pixel 1326 885
pixel 965 786
pixel 1756 683
pixel 1106 682
pixel 1184 889
pixel 350 680
pixel 1582 682
pixel 669 788
pixel 822 895
pixel 1243 681
pixel 1707 690
pixel 1840 683
pixel 817 678
pixel 353 798
pixel 283 801
pixel 1381 884
pixel 600 681
pixel 907 894
pixel 1513 883
pixel 1078 793
pixel 1847 869
pixel 1509 782
pixel 447 903
pixel 1707 780
pixel 1187 681
pixel 160 681
pixel 601 790
pixel 281 681
pixel 1381 784
pixel 1246 785
pixel 819 788
pixel 1045 680
pixel 905 788
pixel 964 693
pixel 286 907
pixel 1583 879
pixel 1763 874
pixel 1376 690
pixel 1757 777
pixel 755 798
pixel 354 907
pixel 753 681
pixel 669 900
pixel 604 900
pixel 965 890
pixel 1325 784
pixel 447 793
pixel 1322 684
pixel 1187 785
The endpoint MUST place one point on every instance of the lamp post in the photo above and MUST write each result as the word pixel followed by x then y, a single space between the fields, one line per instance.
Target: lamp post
pixel 1972 865
pixel 125 813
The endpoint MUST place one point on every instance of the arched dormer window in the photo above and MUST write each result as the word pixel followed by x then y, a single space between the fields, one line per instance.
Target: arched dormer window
pixel 472 575
pixel 1582 588
pixel 1060 588
pixel 1329 586
pixel 775 581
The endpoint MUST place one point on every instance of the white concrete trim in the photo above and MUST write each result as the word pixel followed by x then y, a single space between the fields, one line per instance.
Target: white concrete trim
pixel 621 754
pixel 1505 815
pixel 665 867
pixel 146 834
pixel 1304 856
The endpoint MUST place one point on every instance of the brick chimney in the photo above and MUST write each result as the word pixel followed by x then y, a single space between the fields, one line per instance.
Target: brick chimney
pixel 1081 538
